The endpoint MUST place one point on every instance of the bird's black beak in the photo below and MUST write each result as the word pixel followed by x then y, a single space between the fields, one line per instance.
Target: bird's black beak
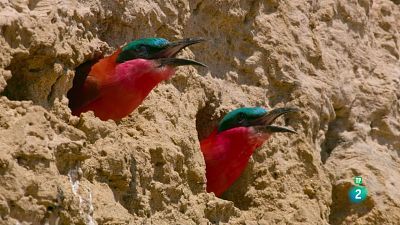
pixel 172 48
pixel 264 123
pixel 167 55
pixel 177 62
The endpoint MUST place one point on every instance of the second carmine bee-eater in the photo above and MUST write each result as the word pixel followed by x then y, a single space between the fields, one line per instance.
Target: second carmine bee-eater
pixel 113 86
pixel 227 150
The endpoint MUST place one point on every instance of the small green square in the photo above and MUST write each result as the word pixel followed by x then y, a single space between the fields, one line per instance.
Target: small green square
pixel 358 180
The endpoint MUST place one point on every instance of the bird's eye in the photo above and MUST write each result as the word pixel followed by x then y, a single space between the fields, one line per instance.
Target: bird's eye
pixel 139 48
pixel 241 117
pixel 143 48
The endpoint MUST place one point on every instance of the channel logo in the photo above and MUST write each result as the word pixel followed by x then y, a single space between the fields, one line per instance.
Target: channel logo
pixel 358 193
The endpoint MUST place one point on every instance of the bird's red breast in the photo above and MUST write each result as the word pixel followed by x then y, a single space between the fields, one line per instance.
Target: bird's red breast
pixel 226 155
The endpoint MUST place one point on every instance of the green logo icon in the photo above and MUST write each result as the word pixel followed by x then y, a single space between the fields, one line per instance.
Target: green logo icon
pixel 358 180
pixel 357 193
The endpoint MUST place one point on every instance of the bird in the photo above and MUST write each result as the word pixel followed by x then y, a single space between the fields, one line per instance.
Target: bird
pixel 113 86
pixel 228 148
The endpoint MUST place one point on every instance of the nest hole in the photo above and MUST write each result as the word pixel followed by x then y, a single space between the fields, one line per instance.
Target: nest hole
pixel 333 135
pixel 16 88
pixel 33 77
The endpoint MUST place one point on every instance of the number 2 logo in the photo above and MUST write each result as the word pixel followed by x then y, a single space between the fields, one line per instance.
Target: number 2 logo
pixel 358 194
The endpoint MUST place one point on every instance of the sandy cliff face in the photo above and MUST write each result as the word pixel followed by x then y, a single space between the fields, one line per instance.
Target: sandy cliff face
pixel 338 61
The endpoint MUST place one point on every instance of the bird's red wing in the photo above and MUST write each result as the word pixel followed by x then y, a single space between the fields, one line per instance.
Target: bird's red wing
pixel 75 94
pixel 89 78
pixel 88 92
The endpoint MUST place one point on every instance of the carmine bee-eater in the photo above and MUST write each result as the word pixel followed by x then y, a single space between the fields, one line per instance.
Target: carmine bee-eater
pixel 228 148
pixel 113 86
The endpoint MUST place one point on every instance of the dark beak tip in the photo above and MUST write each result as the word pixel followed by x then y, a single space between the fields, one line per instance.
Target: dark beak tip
pixel 201 39
pixel 288 130
pixel 274 129
pixel 187 42
pixel 197 39
pixel 292 109
pixel 173 48
pixel 203 65
pixel 178 62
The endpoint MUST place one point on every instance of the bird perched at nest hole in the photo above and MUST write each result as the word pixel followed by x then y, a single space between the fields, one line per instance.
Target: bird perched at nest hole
pixel 113 86
pixel 228 148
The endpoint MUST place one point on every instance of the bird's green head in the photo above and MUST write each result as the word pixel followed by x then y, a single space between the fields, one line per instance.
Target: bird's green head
pixel 144 48
pixel 254 117
pixel 157 48
pixel 240 117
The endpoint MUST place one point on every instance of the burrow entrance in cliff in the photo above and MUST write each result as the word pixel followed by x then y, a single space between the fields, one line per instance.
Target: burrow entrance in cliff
pixel 36 76
pixel 333 136
pixel 39 77
pixel 26 75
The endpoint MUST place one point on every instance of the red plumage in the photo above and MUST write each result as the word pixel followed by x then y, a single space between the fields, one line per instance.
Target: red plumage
pixel 226 155
pixel 113 91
